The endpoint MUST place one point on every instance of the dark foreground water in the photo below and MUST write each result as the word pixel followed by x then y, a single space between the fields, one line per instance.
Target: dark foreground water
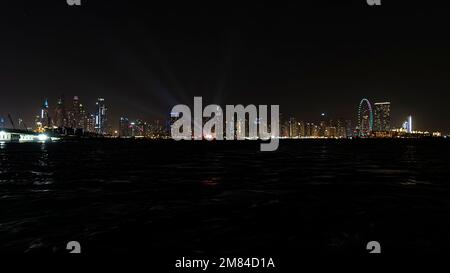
pixel 201 198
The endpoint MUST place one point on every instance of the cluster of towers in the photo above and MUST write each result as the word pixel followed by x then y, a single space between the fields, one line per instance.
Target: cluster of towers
pixel 76 118
pixel 323 128
pixel 140 128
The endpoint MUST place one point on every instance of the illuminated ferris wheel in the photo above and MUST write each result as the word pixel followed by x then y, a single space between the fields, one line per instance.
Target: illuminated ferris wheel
pixel 365 118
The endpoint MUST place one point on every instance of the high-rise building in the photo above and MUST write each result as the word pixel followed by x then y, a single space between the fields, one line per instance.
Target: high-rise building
pixel 156 129
pixel 315 130
pixel 60 119
pixel 349 129
pixel 73 113
pixel 382 117
pixel 309 129
pixel 331 132
pixel 137 128
pixel 323 124
pixel 293 128
pixel 410 125
pixel 101 118
pixel 90 123
pixel 82 118
pixel 45 116
pixel 75 119
pixel 301 129
pixel 365 118
pixel 124 127
pixel 340 128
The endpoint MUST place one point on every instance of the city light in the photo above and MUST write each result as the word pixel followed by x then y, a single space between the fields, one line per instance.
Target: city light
pixel 3 136
pixel 410 126
pixel 42 137
pixel 373 120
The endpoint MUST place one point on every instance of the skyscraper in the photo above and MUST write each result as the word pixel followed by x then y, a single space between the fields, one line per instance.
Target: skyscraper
pixel 101 117
pixel 74 114
pixel 124 127
pixel 365 118
pixel 137 128
pixel 82 118
pixel 382 119
pixel 60 114
pixel 301 129
pixel 410 125
pixel 45 116
pixel 293 127
pixel 340 128
pixel 349 129
pixel 90 123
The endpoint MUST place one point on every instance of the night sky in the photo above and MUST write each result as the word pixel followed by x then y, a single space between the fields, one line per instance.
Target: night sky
pixel 309 57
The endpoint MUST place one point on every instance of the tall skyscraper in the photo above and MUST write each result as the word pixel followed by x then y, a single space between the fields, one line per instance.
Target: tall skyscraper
pixel 365 118
pixel 45 116
pixel 101 117
pixel 293 127
pixel 124 127
pixel 90 123
pixel 301 129
pixel 349 129
pixel 284 128
pixel 340 128
pixel 74 114
pixel 410 125
pixel 323 124
pixel 60 119
pixel 382 119
pixel 82 118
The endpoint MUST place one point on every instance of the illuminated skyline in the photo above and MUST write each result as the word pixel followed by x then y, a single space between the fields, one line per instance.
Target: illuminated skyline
pixel 308 58
pixel 370 120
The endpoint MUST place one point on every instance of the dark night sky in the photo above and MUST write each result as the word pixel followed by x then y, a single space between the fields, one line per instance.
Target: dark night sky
pixel 308 58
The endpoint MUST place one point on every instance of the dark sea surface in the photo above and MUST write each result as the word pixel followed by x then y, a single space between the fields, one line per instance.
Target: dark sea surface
pixel 227 198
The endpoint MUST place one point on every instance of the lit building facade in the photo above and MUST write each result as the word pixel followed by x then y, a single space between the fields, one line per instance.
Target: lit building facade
pixel 90 123
pixel 382 117
pixel 408 125
pixel 45 116
pixel 101 117
pixel 124 127
pixel 365 118
pixel 60 119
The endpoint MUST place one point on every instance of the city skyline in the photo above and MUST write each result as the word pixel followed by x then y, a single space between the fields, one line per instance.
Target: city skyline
pixel 67 118
pixel 306 58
